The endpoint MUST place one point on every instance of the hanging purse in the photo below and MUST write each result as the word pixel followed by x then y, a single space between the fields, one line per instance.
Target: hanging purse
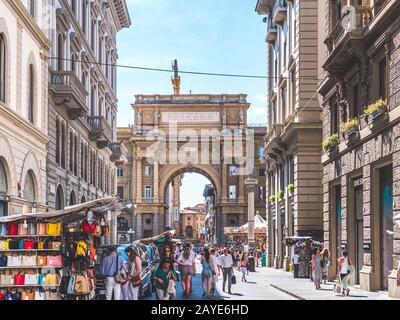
pixel 3 229
pixel 81 286
pixel 22 231
pixel 32 229
pixel 41 261
pixel 41 229
pixel 14 261
pixel 12 229
pixel 88 228
pixel 81 248
pixel 3 260
pixel 28 261
pixel 40 295
pixel 53 229
pixel 29 245
pixel 54 261
pixel 19 278
pixel 97 231
pixel 28 295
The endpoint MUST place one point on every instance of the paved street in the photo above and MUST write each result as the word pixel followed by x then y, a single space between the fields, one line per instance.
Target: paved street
pixel 272 284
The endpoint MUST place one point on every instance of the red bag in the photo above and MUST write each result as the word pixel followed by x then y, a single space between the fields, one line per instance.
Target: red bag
pixel 12 229
pixel 19 279
pixel 29 245
pixel 88 228
pixel 2 296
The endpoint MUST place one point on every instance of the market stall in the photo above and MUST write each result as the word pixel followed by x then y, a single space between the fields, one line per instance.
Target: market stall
pixel 240 234
pixel 51 256
pixel 303 246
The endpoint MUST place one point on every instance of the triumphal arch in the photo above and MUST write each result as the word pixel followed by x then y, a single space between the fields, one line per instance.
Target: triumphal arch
pixel 179 133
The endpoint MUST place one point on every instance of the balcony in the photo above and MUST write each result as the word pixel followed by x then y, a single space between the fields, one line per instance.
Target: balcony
pixel 272 32
pixel 68 91
pixel 346 38
pixel 115 148
pixel 100 131
pixel 274 146
pixel 280 11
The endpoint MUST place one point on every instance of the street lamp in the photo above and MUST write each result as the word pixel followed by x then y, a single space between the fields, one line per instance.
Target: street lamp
pixel 131 232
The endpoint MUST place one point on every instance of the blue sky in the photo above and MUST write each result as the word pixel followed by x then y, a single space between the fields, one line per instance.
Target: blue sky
pixel 222 36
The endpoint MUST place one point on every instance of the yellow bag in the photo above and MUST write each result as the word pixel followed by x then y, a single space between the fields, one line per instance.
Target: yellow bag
pixel 81 248
pixel 41 245
pixel 53 229
pixel 52 279
pixel 290 267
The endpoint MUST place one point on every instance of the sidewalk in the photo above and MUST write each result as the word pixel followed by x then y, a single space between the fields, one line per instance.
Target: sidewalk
pixel 304 289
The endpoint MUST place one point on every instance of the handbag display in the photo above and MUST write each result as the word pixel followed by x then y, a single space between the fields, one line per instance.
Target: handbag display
pixel 41 261
pixel 32 229
pixel 7 279
pixel 28 295
pixel 41 245
pixel 53 229
pixel 41 229
pixel 55 245
pixel 28 261
pixel 14 261
pixel 13 295
pixel 54 261
pixel 3 261
pixel 32 278
pixel 12 229
pixel 29 245
pixel 3 229
pixel 40 295
pixel 22 231
pixel 52 295
pixel 19 278
pixel 52 279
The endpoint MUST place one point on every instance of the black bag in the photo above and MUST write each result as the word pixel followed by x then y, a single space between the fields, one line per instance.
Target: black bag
pixel 13 244
pixel 322 263
pixel 64 284
pixel 233 279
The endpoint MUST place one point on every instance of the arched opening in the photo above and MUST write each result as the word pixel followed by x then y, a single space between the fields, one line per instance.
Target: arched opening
pixel 60 198
pixel 31 97
pixel 3 67
pixel 30 187
pixel 3 189
pixel 72 198
pixel 83 199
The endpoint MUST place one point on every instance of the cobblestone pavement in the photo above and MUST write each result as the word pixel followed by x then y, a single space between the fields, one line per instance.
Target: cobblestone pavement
pixel 273 284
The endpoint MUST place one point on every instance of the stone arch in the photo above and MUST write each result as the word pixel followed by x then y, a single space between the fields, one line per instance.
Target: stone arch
pixel 32 164
pixel 171 171
pixel 72 198
pixel 9 164
pixel 60 198
pixel 6 34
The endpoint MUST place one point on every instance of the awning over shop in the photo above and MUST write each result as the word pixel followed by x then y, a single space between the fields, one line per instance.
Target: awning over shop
pixel 260 228
pixel 72 213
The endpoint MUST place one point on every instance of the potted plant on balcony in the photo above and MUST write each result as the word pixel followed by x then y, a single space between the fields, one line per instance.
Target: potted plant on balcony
pixel 330 144
pixel 280 194
pixel 376 113
pixel 272 199
pixel 350 130
pixel 290 189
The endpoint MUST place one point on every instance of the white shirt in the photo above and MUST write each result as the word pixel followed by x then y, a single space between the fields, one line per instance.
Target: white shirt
pixel 226 261
pixel 189 261
pixel 215 260
pixel 295 259
pixel 345 266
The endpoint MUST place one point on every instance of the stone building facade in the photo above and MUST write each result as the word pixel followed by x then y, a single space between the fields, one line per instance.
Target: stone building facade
pixel 83 151
pixel 293 141
pixel 24 50
pixel 361 180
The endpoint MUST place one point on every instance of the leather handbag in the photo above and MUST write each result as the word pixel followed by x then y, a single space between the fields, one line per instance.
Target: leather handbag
pixel 52 279
pixel 40 295
pixel 28 261
pixel 41 229
pixel 19 278
pixel 3 245
pixel 28 295
pixel 32 278
pixel 54 261
pixel 12 229
pixel 81 285
pixel 97 232
pixel 41 245
pixel 56 245
pixel 53 229
pixel 21 244
pixel 3 260
pixel 14 261
pixel 22 231
pixel 13 295
pixel 52 295
pixel 29 245
pixel 13 244
pixel 2 296
pixel 3 229
pixel 32 229
pixel 41 261
pixel 7 279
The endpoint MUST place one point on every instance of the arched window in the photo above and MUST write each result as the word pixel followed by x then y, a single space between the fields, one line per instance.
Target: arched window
pixel 83 199
pixel 71 151
pixel 63 138
pixel 32 8
pixel 72 199
pixel 92 101
pixel 3 67
pixel 29 187
pixel 76 155
pixel 3 179
pixel 123 224
pixel 31 98
pixel 59 198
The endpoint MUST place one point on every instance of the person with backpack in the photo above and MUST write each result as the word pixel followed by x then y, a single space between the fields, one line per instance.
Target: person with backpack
pixel 110 266
pixel 207 273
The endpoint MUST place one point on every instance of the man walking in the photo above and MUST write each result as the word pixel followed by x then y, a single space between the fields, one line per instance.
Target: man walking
pixel 109 267
pixel 227 265
pixel 295 262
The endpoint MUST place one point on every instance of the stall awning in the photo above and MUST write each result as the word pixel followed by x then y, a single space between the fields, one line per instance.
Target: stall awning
pixel 72 213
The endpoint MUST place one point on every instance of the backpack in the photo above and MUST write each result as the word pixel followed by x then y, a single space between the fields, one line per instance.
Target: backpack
pixel 81 284
pixel 81 248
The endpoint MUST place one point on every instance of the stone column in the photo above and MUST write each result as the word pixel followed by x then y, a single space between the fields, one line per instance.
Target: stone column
pixel 251 184
pixel 139 179
pixel 139 226
pixel 133 177
pixel 156 183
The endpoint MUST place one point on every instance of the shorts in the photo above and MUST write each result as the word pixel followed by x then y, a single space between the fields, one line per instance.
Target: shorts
pixel 187 270
pixel 215 278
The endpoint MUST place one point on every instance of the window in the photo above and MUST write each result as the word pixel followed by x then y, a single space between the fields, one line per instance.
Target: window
pixel 120 172
pixel 32 8
pixel 73 63
pixel 58 136
pixel 76 155
pixel 261 193
pixel 382 79
pixel 283 99
pixel 120 192
pixel 356 103
pixel 63 139
pixel 93 35
pixel 60 53
pixel 335 118
pixel 147 170
pixel 84 16
pixel 232 192
pixel 261 173
pixel 31 97
pixel 148 192
pixel 73 6
pixel 92 101
pixel 232 170
pixel 293 87
pixel 2 68
pixel 29 187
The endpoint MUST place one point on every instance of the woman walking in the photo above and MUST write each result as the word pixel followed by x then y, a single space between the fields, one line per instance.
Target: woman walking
pixel 135 272
pixel 162 277
pixel 344 263
pixel 317 269
pixel 243 268
pixel 325 256
pixel 215 272
pixel 207 272
pixel 188 264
